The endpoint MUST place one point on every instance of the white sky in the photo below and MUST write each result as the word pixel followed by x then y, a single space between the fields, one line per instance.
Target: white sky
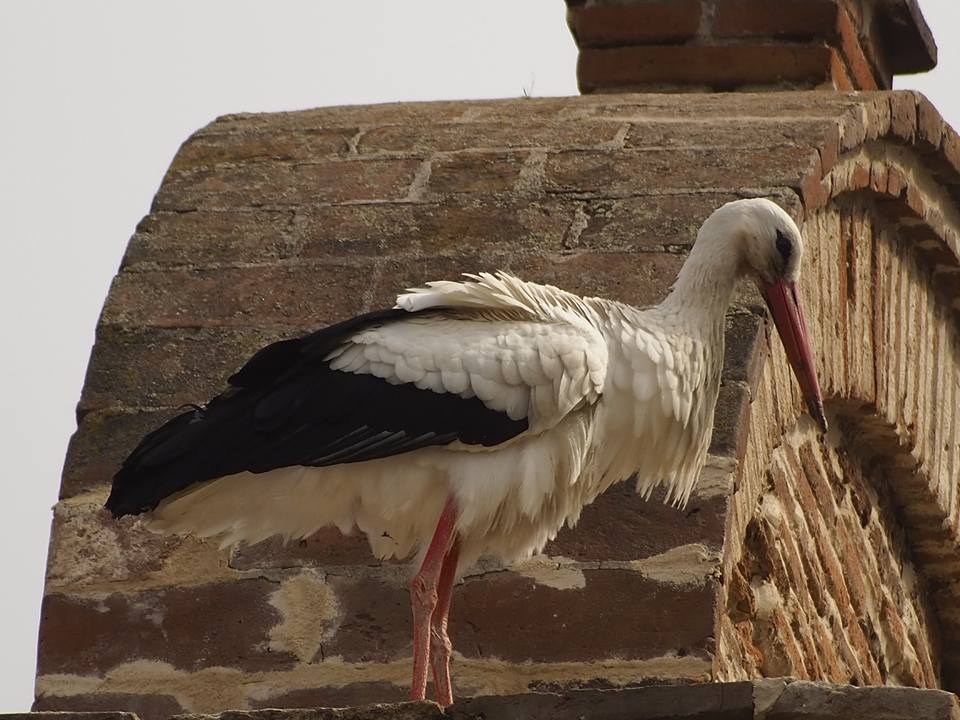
pixel 96 97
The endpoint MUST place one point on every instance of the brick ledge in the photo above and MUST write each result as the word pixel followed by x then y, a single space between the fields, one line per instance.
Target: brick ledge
pixel 770 699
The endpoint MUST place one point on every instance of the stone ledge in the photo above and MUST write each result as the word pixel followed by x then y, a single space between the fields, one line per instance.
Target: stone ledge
pixel 771 699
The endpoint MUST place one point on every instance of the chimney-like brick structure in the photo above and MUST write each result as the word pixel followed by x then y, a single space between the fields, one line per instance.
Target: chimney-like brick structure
pixel 721 45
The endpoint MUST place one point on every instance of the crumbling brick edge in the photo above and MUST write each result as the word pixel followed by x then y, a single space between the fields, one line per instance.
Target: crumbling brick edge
pixel 768 699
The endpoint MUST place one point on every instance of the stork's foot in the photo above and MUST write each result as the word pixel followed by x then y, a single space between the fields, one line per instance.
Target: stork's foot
pixel 440 645
pixel 425 596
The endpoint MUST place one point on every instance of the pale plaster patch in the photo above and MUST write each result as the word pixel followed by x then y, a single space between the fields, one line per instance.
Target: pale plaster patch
pixel 681 566
pixel 716 478
pixel 215 689
pixel 307 608
pixel 559 573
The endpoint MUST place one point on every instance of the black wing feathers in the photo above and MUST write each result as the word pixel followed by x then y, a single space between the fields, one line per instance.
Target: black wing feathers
pixel 287 407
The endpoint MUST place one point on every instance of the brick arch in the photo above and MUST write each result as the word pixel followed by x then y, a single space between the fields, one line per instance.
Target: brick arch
pixel 881 287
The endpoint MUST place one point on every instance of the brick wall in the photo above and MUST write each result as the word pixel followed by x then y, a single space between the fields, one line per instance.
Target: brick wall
pixel 847 564
pixel 827 587
pixel 268 225
pixel 719 45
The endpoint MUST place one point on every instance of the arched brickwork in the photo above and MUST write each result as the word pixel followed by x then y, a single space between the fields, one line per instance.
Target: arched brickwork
pixel 881 233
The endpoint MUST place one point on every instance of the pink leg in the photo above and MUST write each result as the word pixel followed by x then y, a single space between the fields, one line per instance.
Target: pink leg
pixel 423 592
pixel 440 645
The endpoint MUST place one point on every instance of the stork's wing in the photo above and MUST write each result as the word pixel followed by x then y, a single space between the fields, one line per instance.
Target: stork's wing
pixel 375 386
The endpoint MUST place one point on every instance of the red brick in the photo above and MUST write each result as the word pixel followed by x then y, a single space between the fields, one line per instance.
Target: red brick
pixel 191 628
pixel 352 695
pixel 637 172
pixel 620 525
pixel 375 624
pixel 211 149
pixel 326 547
pixel 492 224
pixel 896 182
pixel 903 116
pixel 287 184
pixel 842 82
pixel 782 655
pixel 862 71
pixel 878 177
pixel 476 173
pixel 740 601
pixel 829 148
pixel 197 238
pixel 633 24
pixel 716 66
pixel 508 616
pixel 144 706
pixel 298 295
pixel 742 133
pixel 852 554
pixel 102 440
pixel 819 484
pixel 639 280
pixel 930 128
pixel 459 136
pixel 951 149
pixel 163 367
pixel 731 420
pixel 775 18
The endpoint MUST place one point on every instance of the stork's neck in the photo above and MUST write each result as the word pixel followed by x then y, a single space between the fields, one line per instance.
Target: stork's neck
pixel 704 288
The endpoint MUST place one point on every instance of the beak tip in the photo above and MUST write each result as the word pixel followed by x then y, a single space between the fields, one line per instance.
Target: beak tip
pixel 816 412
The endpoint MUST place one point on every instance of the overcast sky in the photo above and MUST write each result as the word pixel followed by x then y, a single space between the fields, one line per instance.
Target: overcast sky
pixel 95 98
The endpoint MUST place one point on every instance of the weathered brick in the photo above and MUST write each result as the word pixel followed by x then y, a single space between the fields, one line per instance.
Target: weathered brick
pixel 599 274
pixel 492 225
pixel 903 116
pixel 164 367
pixel 289 294
pixel 326 547
pixel 739 133
pixel 812 701
pixel 776 18
pixel 352 695
pixel 703 701
pixel 287 184
pixel 118 705
pixel 729 432
pixel 224 624
pixel 864 73
pixel 202 237
pixel 88 547
pixel 620 525
pixel 502 615
pixel 639 172
pixel 715 66
pixel 101 441
pixel 479 135
pixel 609 25
pixel 477 172
pixel 375 621
pixel 264 144
pixel 643 223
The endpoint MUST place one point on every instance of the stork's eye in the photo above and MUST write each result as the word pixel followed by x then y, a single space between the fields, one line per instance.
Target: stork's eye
pixel 784 246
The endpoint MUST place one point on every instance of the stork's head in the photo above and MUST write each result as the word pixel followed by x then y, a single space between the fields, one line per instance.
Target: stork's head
pixel 770 247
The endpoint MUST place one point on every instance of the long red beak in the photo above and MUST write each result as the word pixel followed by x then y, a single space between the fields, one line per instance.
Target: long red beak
pixel 784 304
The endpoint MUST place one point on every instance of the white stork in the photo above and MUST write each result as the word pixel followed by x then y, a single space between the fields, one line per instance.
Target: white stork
pixel 473 418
